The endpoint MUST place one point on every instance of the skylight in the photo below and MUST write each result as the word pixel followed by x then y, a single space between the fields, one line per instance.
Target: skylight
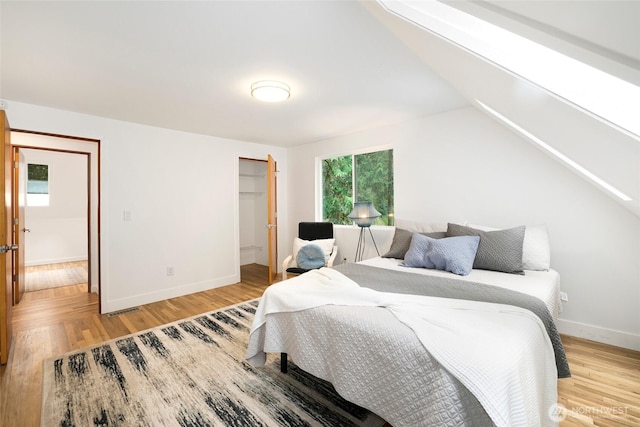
pixel 615 101
pixel 610 188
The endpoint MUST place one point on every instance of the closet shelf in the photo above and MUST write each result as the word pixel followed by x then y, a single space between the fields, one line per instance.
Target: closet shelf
pixel 250 248
pixel 251 175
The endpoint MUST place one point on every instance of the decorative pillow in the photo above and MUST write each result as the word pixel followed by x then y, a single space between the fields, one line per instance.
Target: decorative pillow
pixel 402 240
pixel 453 254
pixel 310 256
pixel 417 248
pixel 536 250
pixel 325 244
pixel 499 250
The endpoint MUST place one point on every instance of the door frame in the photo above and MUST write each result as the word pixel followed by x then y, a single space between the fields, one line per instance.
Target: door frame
pixel 87 158
pixel 18 186
pixel 90 148
pixel 272 232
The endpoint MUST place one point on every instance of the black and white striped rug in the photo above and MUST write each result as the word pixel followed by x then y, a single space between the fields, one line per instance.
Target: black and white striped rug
pixel 188 373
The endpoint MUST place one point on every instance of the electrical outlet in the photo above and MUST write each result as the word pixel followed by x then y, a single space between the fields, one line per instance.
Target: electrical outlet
pixel 564 297
pixel 169 271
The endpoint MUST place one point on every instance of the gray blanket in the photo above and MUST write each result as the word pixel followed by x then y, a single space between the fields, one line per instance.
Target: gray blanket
pixel 384 280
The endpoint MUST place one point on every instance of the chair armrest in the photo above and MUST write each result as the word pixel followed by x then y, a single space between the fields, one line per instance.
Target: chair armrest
pixel 287 261
pixel 332 257
pixel 285 265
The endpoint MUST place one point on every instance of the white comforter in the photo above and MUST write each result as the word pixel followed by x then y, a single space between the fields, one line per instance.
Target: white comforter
pixel 500 353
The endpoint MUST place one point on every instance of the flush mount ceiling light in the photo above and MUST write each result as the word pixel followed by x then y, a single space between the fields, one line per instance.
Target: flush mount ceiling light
pixel 270 91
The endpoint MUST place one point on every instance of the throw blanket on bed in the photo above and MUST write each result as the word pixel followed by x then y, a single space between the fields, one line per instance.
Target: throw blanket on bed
pixel 385 280
pixel 502 354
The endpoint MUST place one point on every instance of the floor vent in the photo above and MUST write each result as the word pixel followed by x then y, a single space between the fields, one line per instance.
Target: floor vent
pixel 126 310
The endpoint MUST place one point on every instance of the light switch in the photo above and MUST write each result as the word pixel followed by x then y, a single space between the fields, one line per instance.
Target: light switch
pixel 126 215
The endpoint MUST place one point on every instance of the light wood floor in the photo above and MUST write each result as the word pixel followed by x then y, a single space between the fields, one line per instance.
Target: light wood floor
pixel 56 266
pixel 604 389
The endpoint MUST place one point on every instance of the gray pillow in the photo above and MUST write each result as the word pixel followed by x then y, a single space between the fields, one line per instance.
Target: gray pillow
pixel 499 250
pixel 402 241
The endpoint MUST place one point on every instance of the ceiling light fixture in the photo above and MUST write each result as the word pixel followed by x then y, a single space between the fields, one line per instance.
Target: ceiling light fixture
pixel 270 91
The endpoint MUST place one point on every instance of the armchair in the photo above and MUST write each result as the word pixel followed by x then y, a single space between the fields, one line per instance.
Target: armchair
pixel 319 234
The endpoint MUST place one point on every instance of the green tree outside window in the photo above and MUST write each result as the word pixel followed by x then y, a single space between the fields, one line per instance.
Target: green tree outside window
pixel 37 179
pixel 358 178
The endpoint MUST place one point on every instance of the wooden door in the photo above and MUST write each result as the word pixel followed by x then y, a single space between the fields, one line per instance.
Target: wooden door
pixel 6 258
pixel 19 227
pixel 272 218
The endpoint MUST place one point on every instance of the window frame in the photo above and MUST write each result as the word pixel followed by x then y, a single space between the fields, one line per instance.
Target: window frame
pixel 354 152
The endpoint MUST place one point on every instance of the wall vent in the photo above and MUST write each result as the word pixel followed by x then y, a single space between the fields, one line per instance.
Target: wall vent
pixel 126 310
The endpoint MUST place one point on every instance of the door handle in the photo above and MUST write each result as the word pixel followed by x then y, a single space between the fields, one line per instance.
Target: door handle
pixel 270 226
pixel 26 230
pixel 6 248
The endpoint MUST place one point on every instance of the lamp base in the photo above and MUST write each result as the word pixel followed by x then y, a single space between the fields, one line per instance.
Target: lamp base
pixel 361 244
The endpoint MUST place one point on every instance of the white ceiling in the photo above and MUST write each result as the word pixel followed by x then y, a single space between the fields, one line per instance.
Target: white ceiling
pixel 189 65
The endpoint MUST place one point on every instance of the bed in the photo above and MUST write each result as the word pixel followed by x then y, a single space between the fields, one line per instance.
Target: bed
pixel 422 347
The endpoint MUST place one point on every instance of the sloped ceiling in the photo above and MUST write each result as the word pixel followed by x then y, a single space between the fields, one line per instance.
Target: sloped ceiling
pixel 612 155
pixel 189 65
pixel 351 65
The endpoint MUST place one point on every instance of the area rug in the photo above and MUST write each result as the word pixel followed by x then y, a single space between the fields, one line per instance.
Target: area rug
pixel 47 279
pixel 188 373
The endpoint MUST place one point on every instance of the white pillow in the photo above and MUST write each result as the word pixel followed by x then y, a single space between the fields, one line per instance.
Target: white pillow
pixel 420 227
pixel 325 244
pixel 536 250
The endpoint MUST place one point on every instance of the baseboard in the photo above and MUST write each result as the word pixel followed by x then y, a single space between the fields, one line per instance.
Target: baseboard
pixel 599 334
pixel 149 297
pixel 55 261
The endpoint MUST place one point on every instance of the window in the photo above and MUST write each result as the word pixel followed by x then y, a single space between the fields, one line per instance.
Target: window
pixel 37 185
pixel 364 177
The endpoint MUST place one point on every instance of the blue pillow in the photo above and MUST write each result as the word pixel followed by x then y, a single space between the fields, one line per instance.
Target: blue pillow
pixel 310 256
pixel 453 254
pixel 417 248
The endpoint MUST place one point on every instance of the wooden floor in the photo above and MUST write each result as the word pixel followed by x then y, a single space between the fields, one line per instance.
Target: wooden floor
pixel 47 276
pixel 604 389
pixel 56 266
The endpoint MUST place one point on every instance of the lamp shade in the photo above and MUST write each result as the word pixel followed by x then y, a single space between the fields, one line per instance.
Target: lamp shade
pixel 364 213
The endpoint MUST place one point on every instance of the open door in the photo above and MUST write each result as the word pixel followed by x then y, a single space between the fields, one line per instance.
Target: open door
pixel 19 228
pixel 272 218
pixel 6 257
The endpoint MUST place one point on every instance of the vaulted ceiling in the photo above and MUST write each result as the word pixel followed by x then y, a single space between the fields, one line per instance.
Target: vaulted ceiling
pixel 351 66
pixel 600 35
pixel 189 66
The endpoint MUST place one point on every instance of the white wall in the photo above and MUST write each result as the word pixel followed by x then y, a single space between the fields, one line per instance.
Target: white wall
pixel 182 192
pixel 58 232
pixel 463 166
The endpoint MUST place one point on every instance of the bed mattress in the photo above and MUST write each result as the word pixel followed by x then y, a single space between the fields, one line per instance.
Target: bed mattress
pixel 544 285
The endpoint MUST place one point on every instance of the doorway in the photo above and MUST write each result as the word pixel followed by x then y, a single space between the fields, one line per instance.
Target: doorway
pixel 55 230
pixel 76 234
pixel 254 251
